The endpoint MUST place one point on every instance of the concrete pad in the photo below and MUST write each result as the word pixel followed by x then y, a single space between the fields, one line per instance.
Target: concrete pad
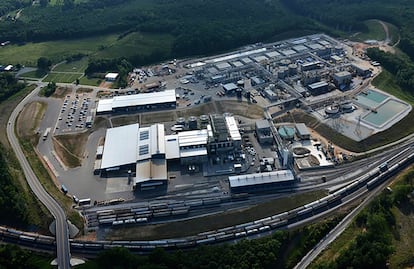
pixel 117 184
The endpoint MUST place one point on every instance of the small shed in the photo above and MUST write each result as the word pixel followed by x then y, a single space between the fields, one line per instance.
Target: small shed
pixel 111 76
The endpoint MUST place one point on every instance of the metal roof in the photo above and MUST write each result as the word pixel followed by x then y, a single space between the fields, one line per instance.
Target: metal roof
pixel 222 66
pixel 157 139
pixel 185 153
pixel 300 48
pixel 144 99
pixel 230 87
pixel 318 85
pixel 111 76
pixel 315 46
pixel 155 169
pixel 288 52
pixel 272 54
pixel 246 60
pixel 262 124
pixel 104 105
pixel 171 147
pixel 107 105
pixel 260 58
pixel 237 64
pixel 236 55
pixel 261 178
pixel 233 129
pixel 192 138
pixel 302 129
pixel 119 143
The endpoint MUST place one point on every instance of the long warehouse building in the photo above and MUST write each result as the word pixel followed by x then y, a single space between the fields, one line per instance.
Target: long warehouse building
pixel 127 103
pixel 261 181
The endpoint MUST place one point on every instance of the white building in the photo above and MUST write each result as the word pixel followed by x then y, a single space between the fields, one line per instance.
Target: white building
pixel 261 181
pixel 126 103
pixel 111 76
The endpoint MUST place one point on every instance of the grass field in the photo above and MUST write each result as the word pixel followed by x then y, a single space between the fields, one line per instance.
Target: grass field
pixel 202 224
pixel 74 66
pixel 136 43
pixel 61 77
pixel 104 46
pixel 386 82
pixel 33 74
pixel 90 81
pixel 375 32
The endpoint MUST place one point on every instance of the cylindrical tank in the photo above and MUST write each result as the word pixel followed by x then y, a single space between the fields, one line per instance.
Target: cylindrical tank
pixel 204 119
pixel 292 69
pixel 282 72
pixel 285 62
pixel 240 83
pixel 192 123
pixel 338 49
pixel 181 121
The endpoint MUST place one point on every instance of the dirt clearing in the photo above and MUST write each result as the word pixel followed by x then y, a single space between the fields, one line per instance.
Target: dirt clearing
pixel 71 148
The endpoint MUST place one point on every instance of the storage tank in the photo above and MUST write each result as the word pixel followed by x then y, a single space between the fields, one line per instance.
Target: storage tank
pixel 293 69
pixel 240 83
pixel 338 49
pixel 181 121
pixel 192 123
pixel 282 72
pixel 286 132
pixel 285 62
pixel 204 119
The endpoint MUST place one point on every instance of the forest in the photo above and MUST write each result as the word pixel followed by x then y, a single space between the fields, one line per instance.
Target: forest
pixel 200 26
pixel 13 208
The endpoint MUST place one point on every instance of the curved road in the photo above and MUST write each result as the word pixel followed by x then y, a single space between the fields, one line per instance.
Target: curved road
pixel 62 232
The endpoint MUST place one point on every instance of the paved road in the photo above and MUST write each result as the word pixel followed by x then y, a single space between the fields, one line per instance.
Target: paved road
pixel 62 233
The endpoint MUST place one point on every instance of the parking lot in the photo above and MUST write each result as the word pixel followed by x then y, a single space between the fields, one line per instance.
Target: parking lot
pixel 76 112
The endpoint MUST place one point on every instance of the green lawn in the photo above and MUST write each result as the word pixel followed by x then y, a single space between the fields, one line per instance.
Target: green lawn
pixel 75 66
pixel 61 78
pixel 33 74
pixel 386 82
pixel 104 46
pixel 90 81
pixel 375 32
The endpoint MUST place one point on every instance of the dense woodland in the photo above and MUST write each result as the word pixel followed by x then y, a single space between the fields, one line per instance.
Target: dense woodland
pixel 13 208
pixel 9 85
pixel 200 26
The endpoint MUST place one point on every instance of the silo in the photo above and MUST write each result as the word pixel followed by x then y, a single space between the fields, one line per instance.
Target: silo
pixel 292 69
pixel 181 121
pixel 285 62
pixel 282 72
pixel 192 123
pixel 204 119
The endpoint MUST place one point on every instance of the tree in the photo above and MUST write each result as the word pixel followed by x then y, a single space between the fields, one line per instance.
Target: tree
pixel 43 3
pixel 44 64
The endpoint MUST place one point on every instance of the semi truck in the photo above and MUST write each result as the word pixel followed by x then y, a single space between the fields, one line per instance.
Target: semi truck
pixel 46 133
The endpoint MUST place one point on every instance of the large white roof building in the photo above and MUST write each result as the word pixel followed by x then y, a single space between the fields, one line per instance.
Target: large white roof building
pixel 120 146
pixel 167 97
